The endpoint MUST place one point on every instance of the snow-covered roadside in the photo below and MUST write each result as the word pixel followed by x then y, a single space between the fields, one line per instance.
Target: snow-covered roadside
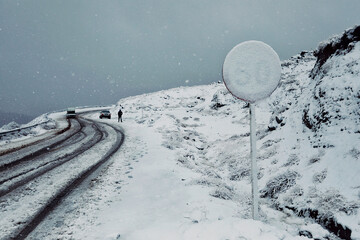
pixel 145 194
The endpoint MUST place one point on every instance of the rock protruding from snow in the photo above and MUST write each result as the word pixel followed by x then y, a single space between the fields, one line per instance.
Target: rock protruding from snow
pixel 337 45
pixel 336 94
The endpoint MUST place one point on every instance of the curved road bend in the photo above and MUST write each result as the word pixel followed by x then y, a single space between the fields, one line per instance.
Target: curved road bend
pixel 34 182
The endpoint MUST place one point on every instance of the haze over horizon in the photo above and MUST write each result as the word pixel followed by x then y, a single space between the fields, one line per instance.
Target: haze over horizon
pixel 56 54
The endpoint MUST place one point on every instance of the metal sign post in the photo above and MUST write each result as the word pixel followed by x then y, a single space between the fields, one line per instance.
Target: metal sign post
pixel 254 170
pixel 251 72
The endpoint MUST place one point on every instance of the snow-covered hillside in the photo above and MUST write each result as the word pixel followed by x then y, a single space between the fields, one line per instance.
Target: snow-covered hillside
pixel 308 139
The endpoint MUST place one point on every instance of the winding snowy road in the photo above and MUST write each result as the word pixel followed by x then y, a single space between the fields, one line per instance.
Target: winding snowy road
pixel 35 178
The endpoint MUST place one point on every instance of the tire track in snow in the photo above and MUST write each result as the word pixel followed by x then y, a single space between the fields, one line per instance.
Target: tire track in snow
pixel 12 178
pixel 30 224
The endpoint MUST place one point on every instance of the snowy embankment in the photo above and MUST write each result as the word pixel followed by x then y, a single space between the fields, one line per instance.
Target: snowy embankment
pixel 308 147
pixel 42 127
pixel 161 186
pixel 14 132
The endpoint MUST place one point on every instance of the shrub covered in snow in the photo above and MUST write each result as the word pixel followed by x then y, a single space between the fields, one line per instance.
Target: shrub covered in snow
pixel 279 184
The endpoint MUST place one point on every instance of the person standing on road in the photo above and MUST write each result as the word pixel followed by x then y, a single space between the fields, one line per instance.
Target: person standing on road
pixel 120 113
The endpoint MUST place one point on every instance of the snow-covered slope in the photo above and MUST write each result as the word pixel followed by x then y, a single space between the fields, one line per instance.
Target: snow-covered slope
pixel 319 110
pixel 308 139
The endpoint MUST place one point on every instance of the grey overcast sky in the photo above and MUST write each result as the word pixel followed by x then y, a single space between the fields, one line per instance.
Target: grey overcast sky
pixel 60 53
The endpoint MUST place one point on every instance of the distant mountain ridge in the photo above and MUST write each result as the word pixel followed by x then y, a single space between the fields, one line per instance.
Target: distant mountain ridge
pixel 7 117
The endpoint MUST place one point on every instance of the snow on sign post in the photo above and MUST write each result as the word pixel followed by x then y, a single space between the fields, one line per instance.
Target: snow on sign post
pixel 251 72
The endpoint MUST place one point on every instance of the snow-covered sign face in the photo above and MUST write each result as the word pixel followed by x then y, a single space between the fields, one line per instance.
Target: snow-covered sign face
pixel 251 71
